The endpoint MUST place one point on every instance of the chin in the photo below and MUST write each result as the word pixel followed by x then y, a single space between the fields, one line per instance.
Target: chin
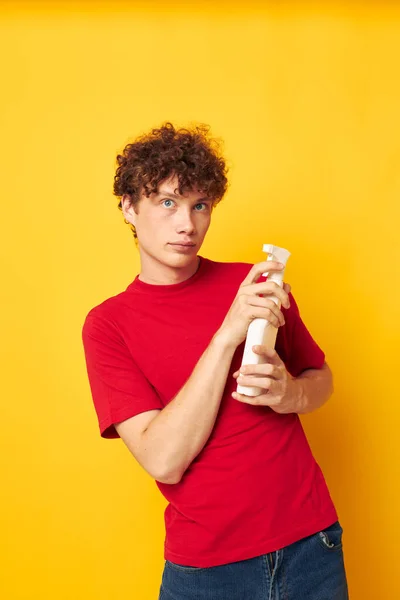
pixel 181 259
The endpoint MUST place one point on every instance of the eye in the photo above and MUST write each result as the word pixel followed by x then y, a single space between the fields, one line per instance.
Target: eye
pixel 200 204
pixel 171 202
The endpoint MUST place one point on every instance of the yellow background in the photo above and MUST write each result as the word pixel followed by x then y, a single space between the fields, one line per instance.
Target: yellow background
pixel 306 97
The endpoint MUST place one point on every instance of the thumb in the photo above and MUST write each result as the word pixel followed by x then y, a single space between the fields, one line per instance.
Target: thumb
pixel 270 353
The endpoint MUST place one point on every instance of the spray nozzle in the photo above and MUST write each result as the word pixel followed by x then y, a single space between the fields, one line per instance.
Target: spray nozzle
pixel 276 253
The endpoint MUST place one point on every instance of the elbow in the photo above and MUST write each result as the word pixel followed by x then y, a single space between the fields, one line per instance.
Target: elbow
pixel 171 480
pixel 167 476
pixel 330 379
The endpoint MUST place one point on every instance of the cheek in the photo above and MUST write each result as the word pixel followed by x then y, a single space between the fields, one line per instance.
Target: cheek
pixel 152 223
pixel 204 223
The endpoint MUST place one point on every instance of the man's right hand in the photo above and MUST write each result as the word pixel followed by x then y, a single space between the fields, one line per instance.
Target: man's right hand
pixel 248 304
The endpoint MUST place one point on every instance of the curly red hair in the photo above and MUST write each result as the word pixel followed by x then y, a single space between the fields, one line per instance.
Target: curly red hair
pixel 190 154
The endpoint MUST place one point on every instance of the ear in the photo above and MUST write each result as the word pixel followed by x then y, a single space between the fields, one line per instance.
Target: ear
pixel 128 209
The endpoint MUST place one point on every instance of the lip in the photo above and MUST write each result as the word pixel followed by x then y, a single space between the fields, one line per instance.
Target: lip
pixel 183 244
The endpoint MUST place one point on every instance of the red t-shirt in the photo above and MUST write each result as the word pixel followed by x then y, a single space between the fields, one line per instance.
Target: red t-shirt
pixel 255 487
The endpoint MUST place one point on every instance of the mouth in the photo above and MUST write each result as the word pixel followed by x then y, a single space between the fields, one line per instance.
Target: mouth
pixel 183 244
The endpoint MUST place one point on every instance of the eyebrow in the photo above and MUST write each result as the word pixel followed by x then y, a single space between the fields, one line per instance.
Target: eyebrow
pixel 175 196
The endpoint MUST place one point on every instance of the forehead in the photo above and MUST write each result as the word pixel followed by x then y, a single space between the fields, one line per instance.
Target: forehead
pixel 170 187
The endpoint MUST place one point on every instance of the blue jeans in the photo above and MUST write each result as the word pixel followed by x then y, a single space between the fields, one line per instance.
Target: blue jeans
pixel 310 569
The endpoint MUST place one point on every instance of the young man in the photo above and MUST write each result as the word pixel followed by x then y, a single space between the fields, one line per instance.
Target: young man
pixel 249 515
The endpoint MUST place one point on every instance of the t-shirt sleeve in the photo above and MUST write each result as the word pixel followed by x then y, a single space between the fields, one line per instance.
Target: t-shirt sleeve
pixel 119 389
pixel 300 350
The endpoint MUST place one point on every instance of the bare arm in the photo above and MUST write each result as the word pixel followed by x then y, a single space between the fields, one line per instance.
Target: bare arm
pixel 166 442
pixel 172 439
pixel 314 388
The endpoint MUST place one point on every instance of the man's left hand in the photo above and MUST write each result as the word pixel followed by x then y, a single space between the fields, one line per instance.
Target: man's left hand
pixel 280 391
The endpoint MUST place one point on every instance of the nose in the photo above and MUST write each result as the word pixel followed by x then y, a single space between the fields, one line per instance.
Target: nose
pixel 185 222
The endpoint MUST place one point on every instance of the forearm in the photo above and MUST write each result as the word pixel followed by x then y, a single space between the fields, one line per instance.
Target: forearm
pixel 312 389
pixel 181 429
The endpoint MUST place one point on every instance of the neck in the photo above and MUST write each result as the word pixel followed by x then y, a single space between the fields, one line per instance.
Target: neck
pixel 157 273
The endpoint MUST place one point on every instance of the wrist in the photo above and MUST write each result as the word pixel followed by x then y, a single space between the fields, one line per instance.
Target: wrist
pixel 299 396
pixel 222 340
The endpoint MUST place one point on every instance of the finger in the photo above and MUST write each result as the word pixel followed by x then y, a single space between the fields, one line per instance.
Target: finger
pixel 273 389
pixel 269 304
pixel 260 268
pixel 264 383
pixel 268 314
pixel 261 370
pixel 269 353
pixel 261 400
pixel 267 288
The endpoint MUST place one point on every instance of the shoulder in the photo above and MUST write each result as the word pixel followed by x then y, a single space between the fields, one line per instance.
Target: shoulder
pixel 104 316
pixel 228 269
pixel 226 277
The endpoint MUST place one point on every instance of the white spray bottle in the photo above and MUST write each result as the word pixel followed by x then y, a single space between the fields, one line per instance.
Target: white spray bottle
pixel 260 331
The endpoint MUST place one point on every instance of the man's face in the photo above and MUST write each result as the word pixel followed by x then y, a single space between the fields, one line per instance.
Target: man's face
pixel 170 228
